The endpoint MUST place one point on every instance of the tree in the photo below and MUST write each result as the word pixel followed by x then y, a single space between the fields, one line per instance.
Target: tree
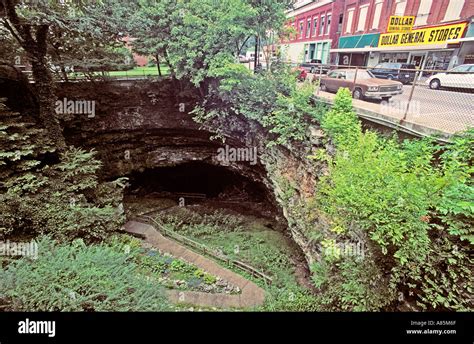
pixel 63 33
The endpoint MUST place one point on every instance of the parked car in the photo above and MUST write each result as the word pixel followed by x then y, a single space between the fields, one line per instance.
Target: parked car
pixel 301 73
pixel 461 77
pixel 366 85
pixel 315 66
pixel 243 59
pixel 395 71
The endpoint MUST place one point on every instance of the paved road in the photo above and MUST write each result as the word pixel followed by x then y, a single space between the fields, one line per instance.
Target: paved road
pixel 447 111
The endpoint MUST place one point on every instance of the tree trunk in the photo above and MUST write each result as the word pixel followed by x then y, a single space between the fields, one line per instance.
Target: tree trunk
pixel 256 55
pixel 158 64
pixel 45 90
pixel 36 48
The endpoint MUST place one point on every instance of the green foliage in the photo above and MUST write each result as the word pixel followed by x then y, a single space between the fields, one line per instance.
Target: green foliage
pixel 253 243
pixel 287 119
pixel 416 213
pixel 351 284
pixel 294 299
pixel 76 277
pixel 341 122
pixel 63 198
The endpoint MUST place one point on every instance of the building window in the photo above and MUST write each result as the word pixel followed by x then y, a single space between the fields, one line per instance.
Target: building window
pixel 377 13
pixel 454 10
pixel 400 7
pixel 423 12
pixel 362 17
pixel 328 24
pixel 315 26
pixel 339 24
pixel 350 15
pixel 308 28
pixel 301 28
pixel 321 25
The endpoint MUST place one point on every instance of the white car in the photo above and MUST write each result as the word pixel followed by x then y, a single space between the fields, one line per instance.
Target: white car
pixel 459 77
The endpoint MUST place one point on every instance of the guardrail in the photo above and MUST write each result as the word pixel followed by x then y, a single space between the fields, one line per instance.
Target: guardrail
pixel 217 254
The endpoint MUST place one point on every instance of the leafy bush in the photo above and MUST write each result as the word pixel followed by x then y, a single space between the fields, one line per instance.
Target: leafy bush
pixel 46 193
pixel 415 211
pixel 76 277
pixel 272 98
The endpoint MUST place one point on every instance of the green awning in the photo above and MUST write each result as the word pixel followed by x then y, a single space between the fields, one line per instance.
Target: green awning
pixel 359 41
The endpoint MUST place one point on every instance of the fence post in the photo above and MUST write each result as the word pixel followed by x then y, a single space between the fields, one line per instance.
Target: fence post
pixel 355 79
pixel 320 76
pixel 417 74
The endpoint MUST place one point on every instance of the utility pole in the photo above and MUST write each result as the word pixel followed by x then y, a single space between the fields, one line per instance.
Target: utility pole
pixel 255 59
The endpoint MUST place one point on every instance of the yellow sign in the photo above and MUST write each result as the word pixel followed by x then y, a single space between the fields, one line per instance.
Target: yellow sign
pixel 432 35
pixel 400 23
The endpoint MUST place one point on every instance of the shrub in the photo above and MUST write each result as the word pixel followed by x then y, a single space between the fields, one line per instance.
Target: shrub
pixel 76 277
pixel 415 212
pixel 44 192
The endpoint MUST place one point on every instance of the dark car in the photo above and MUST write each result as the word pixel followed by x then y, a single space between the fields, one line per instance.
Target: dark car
pixel 395 71
pixel 315 66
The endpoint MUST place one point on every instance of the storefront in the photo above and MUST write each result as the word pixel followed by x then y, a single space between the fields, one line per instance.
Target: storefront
pixel 317 50
pixel 426 48
pixel 355 50
pixel 466 49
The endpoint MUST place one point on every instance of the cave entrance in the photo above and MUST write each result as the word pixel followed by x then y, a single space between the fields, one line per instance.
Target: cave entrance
pixel 207 180
pixel 201 183
pixel 222 210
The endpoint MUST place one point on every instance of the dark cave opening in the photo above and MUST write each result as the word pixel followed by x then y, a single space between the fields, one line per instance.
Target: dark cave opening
pixel 208 180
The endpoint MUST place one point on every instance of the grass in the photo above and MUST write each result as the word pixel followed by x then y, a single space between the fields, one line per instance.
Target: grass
pixel 135 72
pixel 243 238
pixel 140 71
pixel 247 239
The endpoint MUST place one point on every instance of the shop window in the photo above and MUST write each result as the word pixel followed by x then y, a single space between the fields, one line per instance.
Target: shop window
pixel 438 60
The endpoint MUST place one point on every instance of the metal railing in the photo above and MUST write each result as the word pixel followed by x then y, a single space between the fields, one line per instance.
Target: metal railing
pixel 214 253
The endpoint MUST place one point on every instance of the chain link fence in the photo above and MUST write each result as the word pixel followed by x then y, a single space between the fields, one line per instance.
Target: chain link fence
pixel 436 99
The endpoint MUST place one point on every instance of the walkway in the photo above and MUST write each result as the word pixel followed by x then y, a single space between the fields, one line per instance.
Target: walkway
pixel 251 294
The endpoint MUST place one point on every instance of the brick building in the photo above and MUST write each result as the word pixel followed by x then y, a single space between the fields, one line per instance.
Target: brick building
pixel 317 25
pixel 364 40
